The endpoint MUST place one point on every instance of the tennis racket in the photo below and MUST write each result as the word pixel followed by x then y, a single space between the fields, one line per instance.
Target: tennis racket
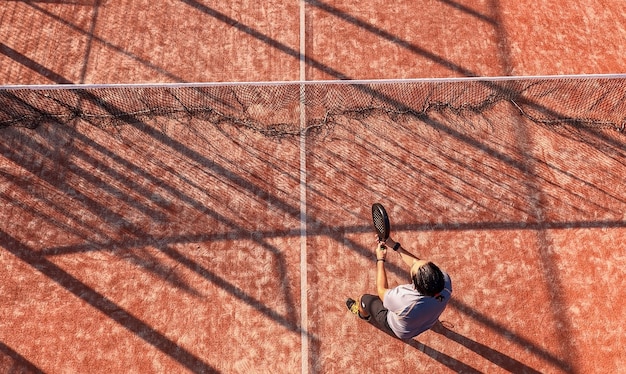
pixel 381 221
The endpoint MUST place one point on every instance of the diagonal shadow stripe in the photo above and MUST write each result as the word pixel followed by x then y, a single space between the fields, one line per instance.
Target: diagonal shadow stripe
pixel 469 11
pixel 105 305
pixel 264 38
pixel 289 323
pixel 93 38
pixel 392 38
pixel 20 364
pixel 32 64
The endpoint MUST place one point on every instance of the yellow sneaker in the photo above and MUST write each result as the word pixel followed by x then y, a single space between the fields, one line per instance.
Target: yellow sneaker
pixel 353 307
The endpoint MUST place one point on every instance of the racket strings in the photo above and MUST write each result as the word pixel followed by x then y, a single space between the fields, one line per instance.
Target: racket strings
pixel 379 223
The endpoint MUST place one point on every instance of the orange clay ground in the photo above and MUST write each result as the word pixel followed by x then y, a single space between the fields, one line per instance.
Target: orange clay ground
pixel 181 247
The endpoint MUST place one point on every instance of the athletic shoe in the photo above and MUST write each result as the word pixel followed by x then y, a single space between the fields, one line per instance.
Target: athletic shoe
pixel 353 307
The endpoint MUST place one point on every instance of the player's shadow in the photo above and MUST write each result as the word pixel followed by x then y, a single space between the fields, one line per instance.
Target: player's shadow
pixel 498 358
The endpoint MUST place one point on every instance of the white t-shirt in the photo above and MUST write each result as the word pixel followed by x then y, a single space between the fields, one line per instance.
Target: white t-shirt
pixel 411 313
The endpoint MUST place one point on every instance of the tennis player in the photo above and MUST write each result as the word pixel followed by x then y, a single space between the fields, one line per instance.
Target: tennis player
pixel 408 309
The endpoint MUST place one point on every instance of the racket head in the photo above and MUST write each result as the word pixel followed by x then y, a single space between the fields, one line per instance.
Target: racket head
pixel 381 221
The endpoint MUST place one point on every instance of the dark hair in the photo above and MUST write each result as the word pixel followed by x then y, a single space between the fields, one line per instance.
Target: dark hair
pixel 428 280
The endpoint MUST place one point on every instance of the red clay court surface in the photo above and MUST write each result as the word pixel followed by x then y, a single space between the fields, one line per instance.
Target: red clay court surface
pixel 176 247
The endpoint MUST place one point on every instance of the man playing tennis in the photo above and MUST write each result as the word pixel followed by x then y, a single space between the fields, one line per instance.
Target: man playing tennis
pixel 408 309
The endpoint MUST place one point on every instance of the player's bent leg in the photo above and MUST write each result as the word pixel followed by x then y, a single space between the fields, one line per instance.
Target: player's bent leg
pixel 363 312
pixel 374 307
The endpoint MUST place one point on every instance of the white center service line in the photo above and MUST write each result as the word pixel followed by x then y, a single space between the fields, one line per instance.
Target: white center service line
pixel 304 323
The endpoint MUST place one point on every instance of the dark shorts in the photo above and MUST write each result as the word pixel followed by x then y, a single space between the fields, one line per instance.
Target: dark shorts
pixel 374 306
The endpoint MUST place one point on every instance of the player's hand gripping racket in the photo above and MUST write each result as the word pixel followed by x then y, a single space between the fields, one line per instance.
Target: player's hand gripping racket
pixel 381 221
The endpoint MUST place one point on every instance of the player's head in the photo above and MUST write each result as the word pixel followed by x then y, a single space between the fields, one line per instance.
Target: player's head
pixel 427 278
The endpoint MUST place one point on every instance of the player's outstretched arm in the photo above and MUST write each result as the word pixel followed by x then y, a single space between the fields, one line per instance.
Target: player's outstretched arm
pixel 407 257
pixel 381 274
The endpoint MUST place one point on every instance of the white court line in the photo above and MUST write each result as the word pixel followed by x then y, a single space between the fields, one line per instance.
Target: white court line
pixel 304 321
